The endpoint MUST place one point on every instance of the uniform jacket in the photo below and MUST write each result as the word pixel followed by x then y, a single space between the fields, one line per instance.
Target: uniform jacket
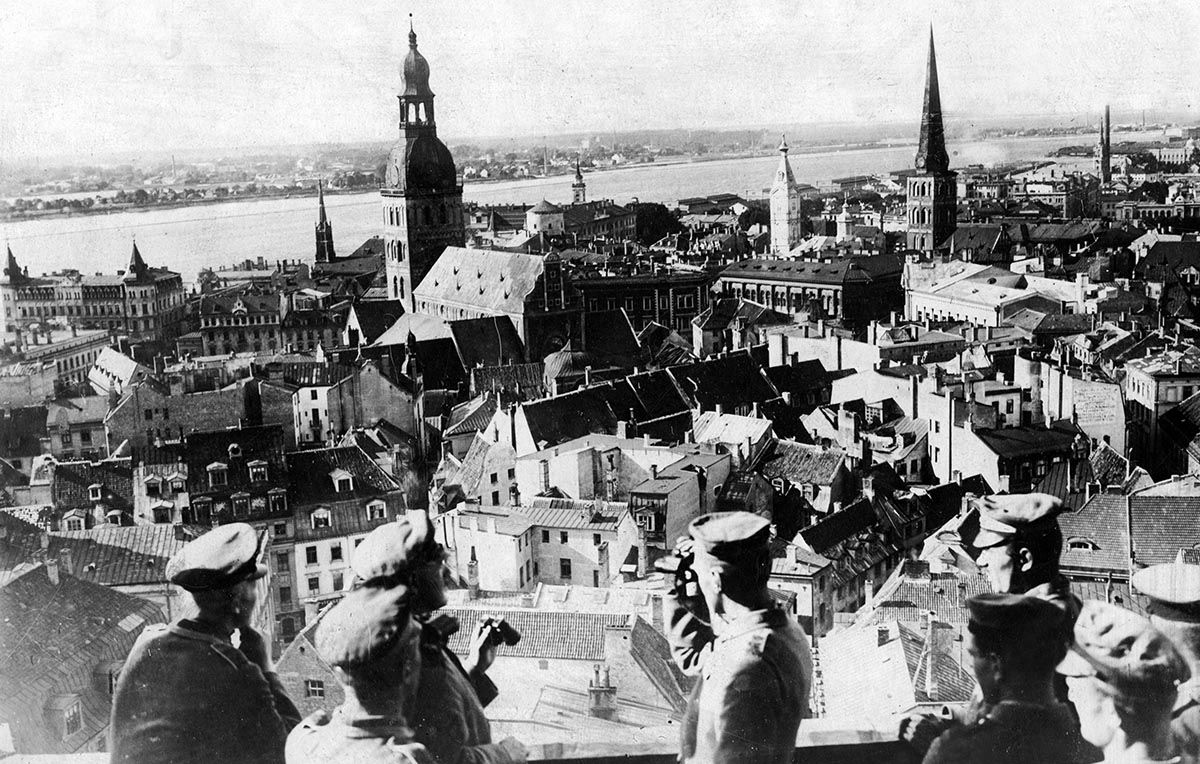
pixel 1020 733
pixel 447 713
pixel 189 696
pixel 342 739
pixel 1185 720
pixel 753 686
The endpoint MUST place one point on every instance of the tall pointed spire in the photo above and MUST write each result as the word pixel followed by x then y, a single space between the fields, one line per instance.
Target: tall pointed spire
pixel 578 188
pixel 12 272
pixel 137 266
pixel 784 173
pixel 931 151
pixel 325 253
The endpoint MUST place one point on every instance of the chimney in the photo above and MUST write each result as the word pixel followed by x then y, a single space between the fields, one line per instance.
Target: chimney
pixel 52 571
pixel 931 686
pixel 719 409
pixel 868 486
pixel 514 495
pixel 654 472
pixel 312 609
pixel 67 562
pixel 787 397
pixel 646 440
pixel 602 696
pixel 473 576
pixel 883 635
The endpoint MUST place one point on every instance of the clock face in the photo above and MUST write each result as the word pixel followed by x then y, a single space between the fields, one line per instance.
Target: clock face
pixel 393 175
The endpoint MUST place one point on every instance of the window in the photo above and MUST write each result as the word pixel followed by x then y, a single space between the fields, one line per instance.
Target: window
pixel 314 584
pixel 285 596
pixel 241 504
pixel 520 578
pixel 310 555
pixel 95 492
pixel 75 524
pixel 278 499
pixel 376 510
pixel 258 471
pixel 512 473
pixel 338 582
pixel 320 518
pixel 217 475
pixel 66 439
pixel 596 578
pixel 495 478
pixel 564 568
pixel 563 538
pixel 314 688
pixel 152 486
pixel 72 719
pixel 495 498
pixel 281 530
pixel 312 394
pixel 335 552
pixel 535 569
pixel 281 560
pixel 85 437
pixel 148 414
pixel 545 537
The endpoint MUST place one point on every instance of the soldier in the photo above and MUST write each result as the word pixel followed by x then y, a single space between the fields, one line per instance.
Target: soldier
pixel 1124 676
pixel 186 693
pixel 1020 543
pixel 752 660
pixel 1174 592
pixel 374 648
pixel 449 718
pixel 1015 642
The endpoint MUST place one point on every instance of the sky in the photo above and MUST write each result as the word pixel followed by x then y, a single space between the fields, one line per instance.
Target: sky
pixel 87 78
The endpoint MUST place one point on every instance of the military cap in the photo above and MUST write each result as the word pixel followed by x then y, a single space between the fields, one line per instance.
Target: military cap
pixel 1017 617
pixel 729 536
pixel 394 548
pixel 221 558
pixel 1173 589
pixel 1123 651
pixel 365 624
pixel 1003 516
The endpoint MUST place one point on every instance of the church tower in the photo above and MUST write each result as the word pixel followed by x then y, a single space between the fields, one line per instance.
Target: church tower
pixel 932 193
pixel 785 206
pixel 324 229
pixel 578 188
pixel 421 195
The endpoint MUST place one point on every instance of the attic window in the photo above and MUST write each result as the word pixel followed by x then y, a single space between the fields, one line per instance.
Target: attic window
pixel 258 470
pixel 95 492
pixel 1082 545
pixel 343 482
pixel 217 475
pixel 376 510
pixel 235 450
pixel 320 518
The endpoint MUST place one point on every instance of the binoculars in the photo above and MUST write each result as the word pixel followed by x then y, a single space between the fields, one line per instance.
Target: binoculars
pixel 500 630
pixel 679 564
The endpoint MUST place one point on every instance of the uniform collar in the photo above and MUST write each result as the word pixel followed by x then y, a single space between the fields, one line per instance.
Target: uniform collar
pixel 769 618
pixel 1017 712
pixel 188 627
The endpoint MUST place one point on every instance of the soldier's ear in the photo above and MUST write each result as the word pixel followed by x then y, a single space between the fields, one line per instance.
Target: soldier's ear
pixel 1024 559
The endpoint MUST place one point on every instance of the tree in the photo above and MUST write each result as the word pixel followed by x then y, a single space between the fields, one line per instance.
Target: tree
pixel 654 221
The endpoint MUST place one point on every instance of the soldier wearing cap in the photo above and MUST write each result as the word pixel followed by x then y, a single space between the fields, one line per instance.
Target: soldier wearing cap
pixel 1014 644
pixel 752 660
pixel 449 718
pixel 1124 676
pixel 1019 545
pixel 186 694
pixel 1174 608
pixel 373 646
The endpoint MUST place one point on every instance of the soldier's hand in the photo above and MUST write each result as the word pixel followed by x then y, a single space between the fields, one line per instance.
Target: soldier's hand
pixel 482 653
pixel 920 730
pixel 254 647
pixel 514 749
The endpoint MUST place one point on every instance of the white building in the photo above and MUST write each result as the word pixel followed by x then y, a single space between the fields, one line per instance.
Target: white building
pixel 785 206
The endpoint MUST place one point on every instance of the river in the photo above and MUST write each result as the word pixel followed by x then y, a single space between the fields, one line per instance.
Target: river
pixel 187 239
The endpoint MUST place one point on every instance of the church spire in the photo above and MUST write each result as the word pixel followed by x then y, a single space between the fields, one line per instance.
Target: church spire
pixel 325 252
pixel 578 188
pixel 137 266
pixel 12 272
pixel 931 151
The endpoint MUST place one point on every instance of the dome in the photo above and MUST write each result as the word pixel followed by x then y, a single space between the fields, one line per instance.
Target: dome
pixel 566 363
pixel 416 70
pixel 424 164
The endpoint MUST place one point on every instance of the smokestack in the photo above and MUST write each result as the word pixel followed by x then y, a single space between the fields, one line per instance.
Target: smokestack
pixel 52 571
pixel 602 696
pixel 473 576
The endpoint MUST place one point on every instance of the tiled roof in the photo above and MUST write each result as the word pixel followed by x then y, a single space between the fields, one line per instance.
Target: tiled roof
pixel 68 411
pixel 483 457
pixel 549 635
pixel 609 336
pixel 732 381
pixel 123 555
pixel 840 271
pixel 1108 466
pixel 256 443
pixel 52 640
pixel 471 416
pixel 574 514
pixel 309 475
pixel 72 481
pixel 526 379
pixel 711 427
pixel 1162 525
pixel 375 317
pixel 1029 440
pixel 651 651
pixel 1169 362
pixel 802 464
pixel 487 341
pixel 483 279
pixel 724 311
pixel 420 325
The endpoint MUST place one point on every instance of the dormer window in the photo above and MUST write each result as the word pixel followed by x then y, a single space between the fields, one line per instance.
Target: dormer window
pixel 343 482
pixel 95 492
pixel 218 474
pixel 234 450
pixel 258 471
pixel 177 486
pixel 376 510
pixel 241 504
pixel 66 712
pixel 277 498
pixel 1082 544
pixel 153 485
pixel 320 518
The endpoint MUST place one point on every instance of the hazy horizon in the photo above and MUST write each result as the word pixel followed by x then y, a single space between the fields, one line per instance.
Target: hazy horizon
pixel 90 80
